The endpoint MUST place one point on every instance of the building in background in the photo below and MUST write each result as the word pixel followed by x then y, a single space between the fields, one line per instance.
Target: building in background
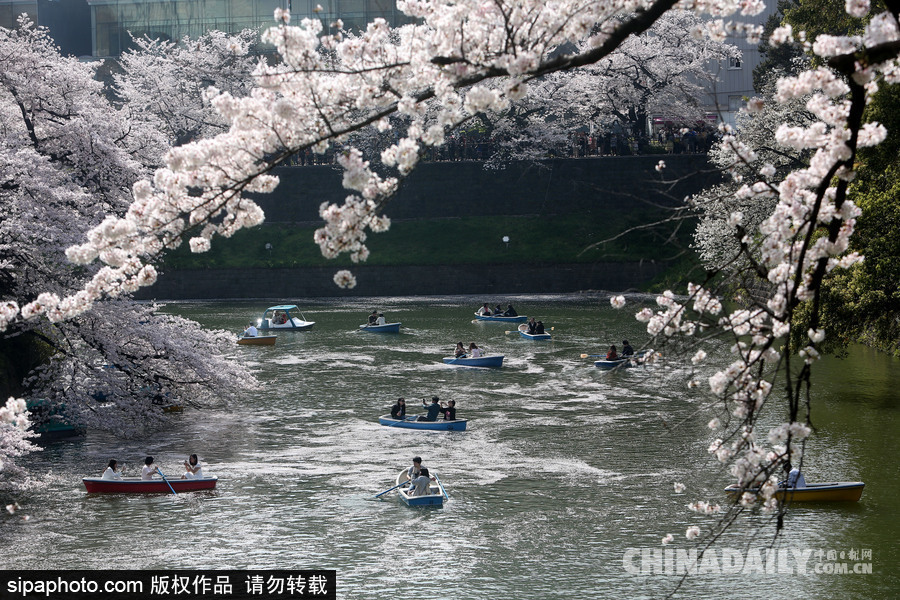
pixel 100 28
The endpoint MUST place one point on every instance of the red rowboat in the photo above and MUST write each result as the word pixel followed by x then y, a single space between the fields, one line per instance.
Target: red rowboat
pixel 134 485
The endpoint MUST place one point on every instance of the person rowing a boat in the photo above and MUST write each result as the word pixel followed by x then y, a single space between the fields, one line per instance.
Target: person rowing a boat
pixel 111 471
pixel 532 326
pixel 460 350
pixel 373 318
pixel 398 411
pixel 251 331
pixel 148 469
pixel 416 468
pixel 627 350
pixel 433 409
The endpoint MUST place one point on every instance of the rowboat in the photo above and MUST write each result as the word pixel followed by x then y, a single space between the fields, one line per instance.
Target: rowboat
pixel 279 317
pixel 523 331
pixel 435 496
pixel 136 485
pixel 843 491
pixel 501 319
pixel 386 328
pixel 410 422
pixel 623 363
pixel 482 361
pixel 258 340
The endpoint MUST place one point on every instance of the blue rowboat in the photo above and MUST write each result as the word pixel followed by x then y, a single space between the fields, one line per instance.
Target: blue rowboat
pixel 523 331
pixel 501 319
pixel 842 491
pixel 386 328
pixel 280 317
pixel 435 496
pixel 494 362
pixel 411 423
pixel 623 363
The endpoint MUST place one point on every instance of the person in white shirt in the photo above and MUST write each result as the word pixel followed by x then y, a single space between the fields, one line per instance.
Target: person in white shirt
pixel 474 350
pixel 381 320
pixel 148 469
pixel 251 331
pixel 192 467
pixel 111 470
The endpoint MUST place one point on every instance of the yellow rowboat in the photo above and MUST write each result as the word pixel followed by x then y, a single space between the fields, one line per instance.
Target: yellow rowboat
pixel 258 340
pixel 843 491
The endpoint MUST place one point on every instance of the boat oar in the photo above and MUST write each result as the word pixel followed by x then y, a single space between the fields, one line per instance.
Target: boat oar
pixel 403 420
pixel 593 356
pixel 391 489
pixel 441 485
pixel 166 480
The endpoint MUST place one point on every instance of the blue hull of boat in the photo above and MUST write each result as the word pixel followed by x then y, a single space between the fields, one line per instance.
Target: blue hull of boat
pixel 388 328
pixel 492 362
pixel 535 336
pixel 422 500
pixel 519 319
pixel 455 425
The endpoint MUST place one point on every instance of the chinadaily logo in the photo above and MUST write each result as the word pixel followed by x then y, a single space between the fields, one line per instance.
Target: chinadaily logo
pixel 747 561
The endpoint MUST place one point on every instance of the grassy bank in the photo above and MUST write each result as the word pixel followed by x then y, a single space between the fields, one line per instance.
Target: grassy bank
pixel 452 241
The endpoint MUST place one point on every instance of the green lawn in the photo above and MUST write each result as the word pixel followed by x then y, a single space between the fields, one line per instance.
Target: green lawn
pixel 466 240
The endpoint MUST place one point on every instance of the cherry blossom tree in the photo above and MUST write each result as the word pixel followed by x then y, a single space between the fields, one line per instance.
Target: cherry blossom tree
pixel 162 82
pixel 67 161
pixel 465 57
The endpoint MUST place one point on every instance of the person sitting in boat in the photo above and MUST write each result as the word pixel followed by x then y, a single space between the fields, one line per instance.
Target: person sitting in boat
pixel 380 320
pixel 612 354
pixel 795 478
pixel 532 326
pixel 484 311
pixel 510 311
pixel 449 410
pixel 434 409
pixel 111 471
pixel 373 317
pixel 280 318
pixel 148 469
pixel 460 351
pixel 627 350
pixel 398 411
pixel 251 331
pixel 475 351
pixel 416 469
pixel 539 328
pixel 192 468
pixel 419 486
pixel 498 311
